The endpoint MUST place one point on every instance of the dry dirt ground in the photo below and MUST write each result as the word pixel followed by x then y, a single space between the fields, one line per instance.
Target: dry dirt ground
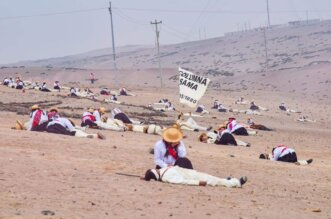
pixel 70 177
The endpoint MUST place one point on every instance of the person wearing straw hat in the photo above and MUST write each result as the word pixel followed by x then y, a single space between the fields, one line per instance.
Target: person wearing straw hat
pixel 38 119
pixel 178 175
pixel 171 151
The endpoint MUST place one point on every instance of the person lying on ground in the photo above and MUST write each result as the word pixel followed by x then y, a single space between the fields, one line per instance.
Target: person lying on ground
pixel 221 137
pixel 118 114
pixel 178 175
pixel 304 119
pixel 88 119
pixel 57 86
pixel 6 81
pixel 201 109
pixel 124 92
pixel 285 154
pixel 241 101
pixel 215 104
pixel 60 125
pixel 251 124
pixel 73 92
pixel 112 99
pixel 19 84
pixel 221 108
pixel 235 128
pixel 105 91
pixel 170 150
pixel 255 107
pixel 190 124
pixel 247 112
pixel 44 87
pixel 282 107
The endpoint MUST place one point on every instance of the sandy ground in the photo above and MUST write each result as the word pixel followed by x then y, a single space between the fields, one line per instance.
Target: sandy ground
pixel 76 178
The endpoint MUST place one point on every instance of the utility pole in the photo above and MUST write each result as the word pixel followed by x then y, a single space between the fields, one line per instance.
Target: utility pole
pixel 268 14
pixel 157 32
pixel 113 41
pixel 266 50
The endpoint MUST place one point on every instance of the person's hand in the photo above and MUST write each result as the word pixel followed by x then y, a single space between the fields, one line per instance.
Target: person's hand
pixel 202 183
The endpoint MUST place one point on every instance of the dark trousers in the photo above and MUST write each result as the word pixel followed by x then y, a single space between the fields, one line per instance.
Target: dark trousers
pixel 241 131
pixel 57 88
pixel 73 95
pixel 40 128
pixel 124 118
pixel 226 139
pixel 89 123
pixel 199 110
pixel 181 162
pixel 59 129
pixel 290 157
pixel 20 87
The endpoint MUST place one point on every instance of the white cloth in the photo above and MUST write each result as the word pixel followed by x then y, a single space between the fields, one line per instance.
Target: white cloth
pixel 178 175
pixel 233 126
pixel 190 125
pixel 160 151
pixel 97 115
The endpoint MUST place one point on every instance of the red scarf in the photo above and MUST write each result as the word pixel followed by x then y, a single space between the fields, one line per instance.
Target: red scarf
pixel 172 152
pixel 36 118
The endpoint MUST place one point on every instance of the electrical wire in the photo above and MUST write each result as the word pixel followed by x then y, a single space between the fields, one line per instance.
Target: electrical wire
pixel 52 14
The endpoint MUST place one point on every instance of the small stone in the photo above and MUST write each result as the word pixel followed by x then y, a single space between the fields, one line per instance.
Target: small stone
pixel 47 212
pixel 114 146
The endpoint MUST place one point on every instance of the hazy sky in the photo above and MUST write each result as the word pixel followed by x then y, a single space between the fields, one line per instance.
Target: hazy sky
pixel 26 36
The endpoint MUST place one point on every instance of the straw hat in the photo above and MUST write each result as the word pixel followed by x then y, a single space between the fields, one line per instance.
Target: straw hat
pixel 19 125
pixel 34 107
pixel 102 110
pixel 172 135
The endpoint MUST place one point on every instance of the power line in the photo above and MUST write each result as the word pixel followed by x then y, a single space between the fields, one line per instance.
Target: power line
pixel 53 14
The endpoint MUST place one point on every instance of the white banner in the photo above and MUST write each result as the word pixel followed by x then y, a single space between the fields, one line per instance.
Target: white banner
pixel 191 87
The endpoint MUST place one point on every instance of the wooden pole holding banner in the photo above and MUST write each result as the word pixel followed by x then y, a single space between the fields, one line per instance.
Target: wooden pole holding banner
pixel 158 48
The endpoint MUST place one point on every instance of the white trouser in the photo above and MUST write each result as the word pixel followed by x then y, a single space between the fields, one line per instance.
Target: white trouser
pixel 190 124
pixel 251 132
pixel 110 126
pixel 252 112
pixel 216 181
pixel 81 134
pixel 241 143
pixel 112 101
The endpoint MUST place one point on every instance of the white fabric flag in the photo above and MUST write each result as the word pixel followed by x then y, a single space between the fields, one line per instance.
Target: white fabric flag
pixel 191 87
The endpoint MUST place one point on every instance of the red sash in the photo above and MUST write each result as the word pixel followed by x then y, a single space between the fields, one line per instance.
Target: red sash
pixel 36 118
pixel 88 117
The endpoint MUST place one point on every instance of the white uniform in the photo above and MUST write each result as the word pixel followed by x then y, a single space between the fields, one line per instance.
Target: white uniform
pixel 160 151
pixel 178 175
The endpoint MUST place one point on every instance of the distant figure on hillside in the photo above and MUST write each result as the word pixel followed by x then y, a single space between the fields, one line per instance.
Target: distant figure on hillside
pixel 284 108
pixel 221 108
pixel 6 81
pixel 73 92
pixel 253 125
pixel 201 109
pixel 215 104
pixel 57 86
pixel 105 91
pixel 92 78
pixel 241 101
pixel 284 154
pixel 44 87
pixel 124 92
pixel 19 83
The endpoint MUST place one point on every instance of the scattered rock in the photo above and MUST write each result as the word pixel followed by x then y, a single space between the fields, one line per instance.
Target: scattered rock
pixel 47 212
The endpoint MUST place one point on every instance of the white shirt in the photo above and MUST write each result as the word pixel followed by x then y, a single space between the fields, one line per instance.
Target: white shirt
pixel 233 126
pixel 97 115
pixel 160 151
pixel 280 152
pixel 63 122
pixel 43 118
